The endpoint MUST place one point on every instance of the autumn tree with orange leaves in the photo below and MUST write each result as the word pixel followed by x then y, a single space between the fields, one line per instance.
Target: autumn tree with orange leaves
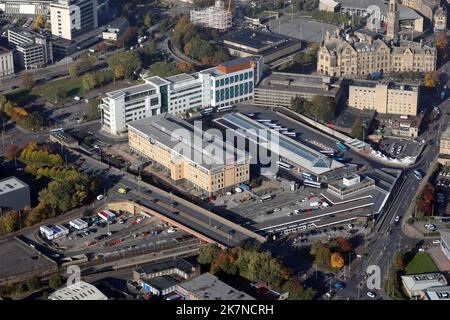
pixel 337 261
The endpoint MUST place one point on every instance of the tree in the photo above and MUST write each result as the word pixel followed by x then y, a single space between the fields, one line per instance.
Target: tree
pixel 399 260
pixel 11 151
pixel 441 44
pixel 101 47
pixel 148 20
pixel 89 82
pixel 299 104
pixel 185 67
pixel 208 253
pixel 130 60
pixel 321 254
pixel 119 71
pixel 34 121
pixel 297 291
pixel 40 22
pixel 322 108
pixel 73 71
pixel 33 284
pixel 337 261
pixel 27 80
pixel 9 222
pixel 130 36
pixel 55 281
pixel 224 261
pixel 431 79
pixel 357 129
pixel 343 244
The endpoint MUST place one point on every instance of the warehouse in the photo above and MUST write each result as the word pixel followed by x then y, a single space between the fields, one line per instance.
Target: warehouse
pixel 78 224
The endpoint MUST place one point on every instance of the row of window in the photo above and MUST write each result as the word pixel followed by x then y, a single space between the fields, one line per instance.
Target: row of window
pixel 235 91
pixel 233 79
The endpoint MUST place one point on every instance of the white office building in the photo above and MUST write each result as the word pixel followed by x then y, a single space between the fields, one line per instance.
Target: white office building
pixel 227 84
pixel 32 50
pixel 71 18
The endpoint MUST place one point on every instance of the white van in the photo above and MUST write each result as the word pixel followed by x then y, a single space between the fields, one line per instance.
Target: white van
pixel 100 197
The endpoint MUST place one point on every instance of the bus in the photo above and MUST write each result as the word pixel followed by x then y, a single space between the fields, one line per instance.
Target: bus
pixel 207 111
pixel 312 184
pixel 307 176
pixel 327 152
pixel 290 134
pixel 417 174
pixel 341 146
pixel 264 120
pixel 224 108
pixel 265 198
pixel 269 124
pixel 248 114
pixel 284 165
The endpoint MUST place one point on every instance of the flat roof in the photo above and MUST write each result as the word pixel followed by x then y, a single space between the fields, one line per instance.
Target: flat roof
pixel 438 293
pixel 209 287
pixel 11 184
pixel 206 150
pixel 415 282
pixel 256 39
pixel 78 291
pixel 177 263
pixel 131 90
pixel 300 83
pixel 161 283
pixel 288 148
pixel 446 133
pixel 390 84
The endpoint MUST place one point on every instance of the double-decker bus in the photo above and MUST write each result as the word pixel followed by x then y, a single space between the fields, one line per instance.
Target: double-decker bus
pixel 284 165
pixel 307 176
pixel 327 152
pixel 312 184
pixel 224 108
pixel 341 146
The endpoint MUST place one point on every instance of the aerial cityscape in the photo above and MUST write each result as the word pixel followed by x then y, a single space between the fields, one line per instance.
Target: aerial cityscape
pixel 224 150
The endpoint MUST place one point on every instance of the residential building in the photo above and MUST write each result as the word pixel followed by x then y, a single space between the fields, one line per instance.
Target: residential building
pixel 384 97
pixel 279 88
pixel 445 243
pixel 209 287
pixel 359 57
pixel 227 84
pixel 440 19
pixel 14 194
pixel 78 291
pixel 174 267
pixel 189 155
pixel 71 18
pixel 415 284
pixel 32 50
pixel 116 29
pixel 6 62
pixel 444 148
pixel 271 46
pixel 26 7
pixel 441 293
pixel 216 17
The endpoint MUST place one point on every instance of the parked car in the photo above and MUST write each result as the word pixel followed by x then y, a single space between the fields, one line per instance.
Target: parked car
pixel 371 295
pixel 430 226
pixel 437 241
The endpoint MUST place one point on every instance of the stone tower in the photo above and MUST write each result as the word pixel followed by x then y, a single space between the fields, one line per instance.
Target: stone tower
pixel 392 21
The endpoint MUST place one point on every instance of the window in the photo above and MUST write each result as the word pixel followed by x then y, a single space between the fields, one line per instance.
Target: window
pixel 217 83
pixel 222 82
pixel 227 80
pixel 241 77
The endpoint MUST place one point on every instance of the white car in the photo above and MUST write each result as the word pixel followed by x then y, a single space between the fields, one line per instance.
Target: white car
pixel 350 226
pixel 437 241
pixel 371 295
pixel 100 197
pixel 171 230
pixel 430 226
pixel 397 219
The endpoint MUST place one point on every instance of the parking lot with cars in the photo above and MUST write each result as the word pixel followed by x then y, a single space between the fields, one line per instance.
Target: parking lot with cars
pixel 397 148
pixel 442 194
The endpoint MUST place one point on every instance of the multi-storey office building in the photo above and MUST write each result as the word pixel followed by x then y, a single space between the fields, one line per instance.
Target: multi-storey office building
pixel 363 56
pixel 6 62
pixel 32 50
pixel 227 84
pixel 388 97
pixel 71 18
pixel 215 17
pixel 188 154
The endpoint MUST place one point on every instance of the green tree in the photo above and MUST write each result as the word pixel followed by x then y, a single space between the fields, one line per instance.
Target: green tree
pixel 27 80
pixel 148 20
pixel 33 284
pixel 34 120
pixel 73 71
pixel 322 108
pixel 208 253
pixel 9 222
pixel 297 291
pixel 60 93
pixel 130 60
pixel 55 281
pixel 299 104
pixel 321 254
pixel 89 82
pixel 357 129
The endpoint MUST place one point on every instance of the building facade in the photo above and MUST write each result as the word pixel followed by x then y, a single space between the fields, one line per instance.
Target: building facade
pixel 71 18
pixel 215 17
pixel 26 7
pixel 361 57
pixel 14 194
pixel 227 84
pixel 32 50
pixel 169 141
pixel 388 98
pixel 6 62
pixel 393 20
pixel 279 88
